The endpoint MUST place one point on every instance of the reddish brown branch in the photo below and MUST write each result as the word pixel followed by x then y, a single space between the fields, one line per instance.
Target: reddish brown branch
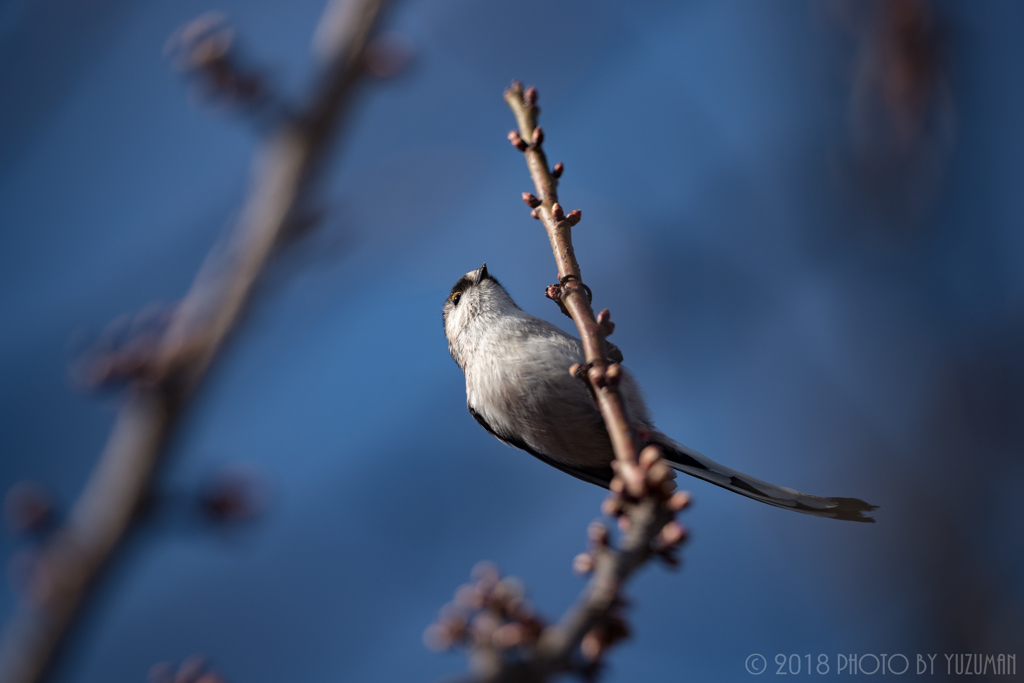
pixel 284 170
pixel 570 292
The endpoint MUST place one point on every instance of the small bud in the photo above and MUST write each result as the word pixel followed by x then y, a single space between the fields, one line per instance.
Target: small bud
pixel 591 646
pixel 557 170
pixel 483 626
pixel 531 200
pixel 535 214
pixel 508 636
pixel 520 609
pixel 453 620
pixel 538 136
pixel 658 474
pixel 509 588
pixel 469 596
pixel 612 506
pixel 679 501
pixel 596 375
pixel 649 456
pixel 578 370
pixel 557 213
pixel 486 573
pixel 671 534
pixel 530 96
pixel 583 563
pixel 517 142
pixel 573 217
pixel 617 485
pixel 449 611
pixel 604 319
pixel 613 374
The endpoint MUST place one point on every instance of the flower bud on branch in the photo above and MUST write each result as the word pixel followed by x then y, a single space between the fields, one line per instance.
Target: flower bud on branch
pixel 517 142
pixel 531 200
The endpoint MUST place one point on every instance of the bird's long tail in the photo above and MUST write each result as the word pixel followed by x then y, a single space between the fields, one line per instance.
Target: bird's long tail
pixel 695 464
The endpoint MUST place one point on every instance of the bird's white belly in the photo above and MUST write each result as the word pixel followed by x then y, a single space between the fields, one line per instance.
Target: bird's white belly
pixel 529 393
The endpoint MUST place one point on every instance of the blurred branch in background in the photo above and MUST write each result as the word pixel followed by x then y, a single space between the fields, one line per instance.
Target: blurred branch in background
pixel 898 73
pixel 900 109
pixel 506 640
pixel 163 367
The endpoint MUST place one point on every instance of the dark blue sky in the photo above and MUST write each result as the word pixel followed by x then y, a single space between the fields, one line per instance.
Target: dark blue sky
pixel 801 297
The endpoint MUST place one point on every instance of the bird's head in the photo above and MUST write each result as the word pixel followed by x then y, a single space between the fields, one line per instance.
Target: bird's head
pixel 476 299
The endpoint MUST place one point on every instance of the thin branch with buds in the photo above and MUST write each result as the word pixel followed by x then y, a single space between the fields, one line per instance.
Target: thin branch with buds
pixel 164 372
pixel 507 641
pixel 571 294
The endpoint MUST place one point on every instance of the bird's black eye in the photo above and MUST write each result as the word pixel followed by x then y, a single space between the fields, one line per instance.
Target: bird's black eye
pixel 455 298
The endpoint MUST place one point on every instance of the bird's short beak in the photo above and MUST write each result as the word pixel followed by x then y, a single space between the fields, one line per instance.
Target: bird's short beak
pixel 481 274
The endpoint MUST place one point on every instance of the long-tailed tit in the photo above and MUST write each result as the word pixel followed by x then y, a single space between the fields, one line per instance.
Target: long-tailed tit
pixel 518 387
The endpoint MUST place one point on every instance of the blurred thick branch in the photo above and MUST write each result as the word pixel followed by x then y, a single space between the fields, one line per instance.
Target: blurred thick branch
pixel 165 373
pixel 508 643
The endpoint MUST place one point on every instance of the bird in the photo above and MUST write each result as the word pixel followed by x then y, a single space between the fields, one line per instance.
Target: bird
pixel 518 387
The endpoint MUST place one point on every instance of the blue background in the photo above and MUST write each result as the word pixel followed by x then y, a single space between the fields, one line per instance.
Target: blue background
pixel 803 295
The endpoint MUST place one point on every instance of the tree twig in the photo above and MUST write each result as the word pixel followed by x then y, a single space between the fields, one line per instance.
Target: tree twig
pixel 284 172
pixel 508 643
pixel 570 292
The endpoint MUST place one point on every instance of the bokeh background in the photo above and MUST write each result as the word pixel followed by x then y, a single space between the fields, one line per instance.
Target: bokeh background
pixel 805 218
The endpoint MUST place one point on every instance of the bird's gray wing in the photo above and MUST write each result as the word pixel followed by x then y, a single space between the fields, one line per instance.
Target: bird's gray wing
pixel 601 476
